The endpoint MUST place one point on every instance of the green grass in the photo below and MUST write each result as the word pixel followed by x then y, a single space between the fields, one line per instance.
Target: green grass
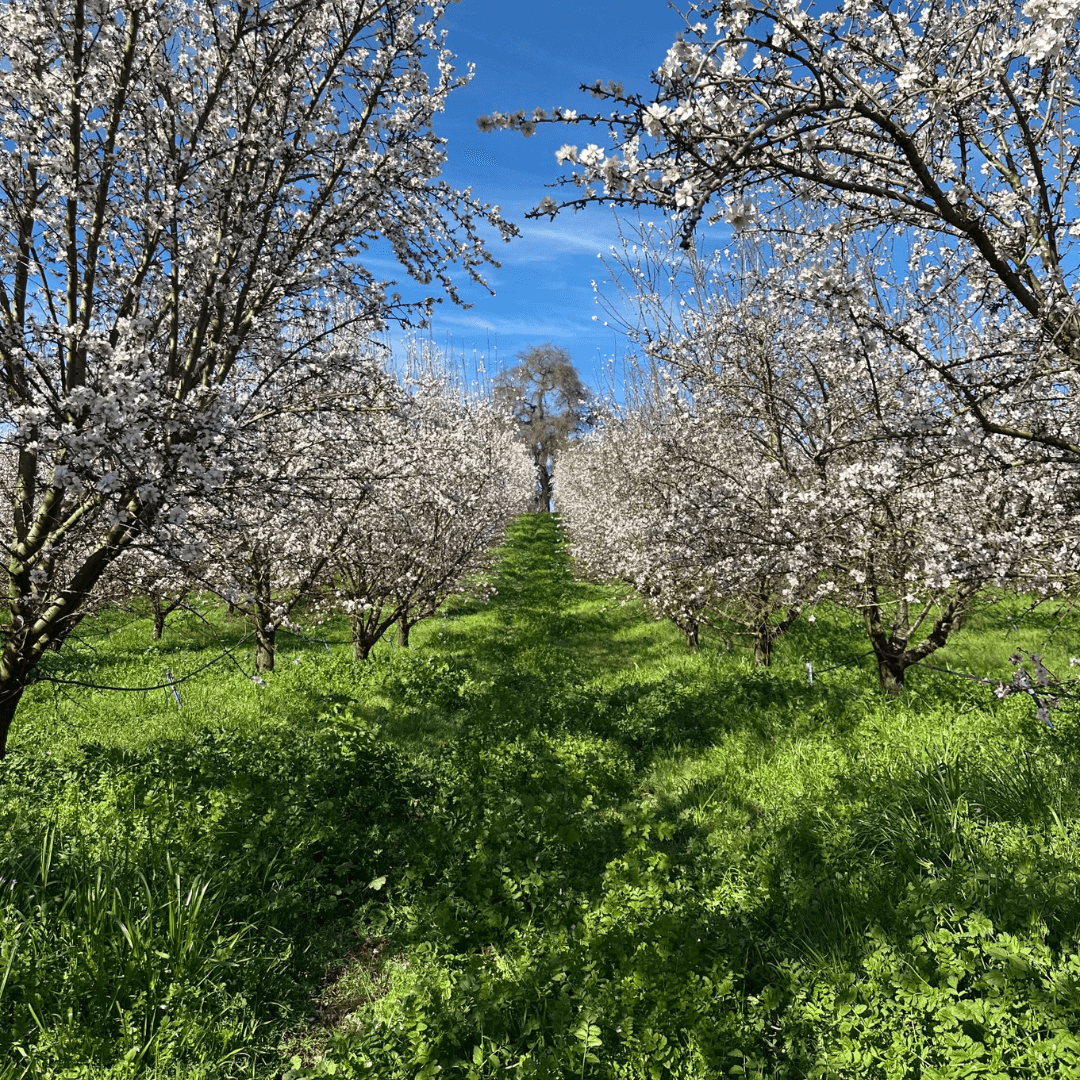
pixel 543 842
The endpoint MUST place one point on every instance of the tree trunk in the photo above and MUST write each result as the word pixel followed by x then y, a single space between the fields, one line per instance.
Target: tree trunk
pixel 11 691
pixel 159 617
pixel 691 632
pixel 57 643
pixel 265 643
pixel 543 500
pixel 265 628
pixel 763 644
pixel 891 670
pixel 889 648
pixel 403 628
pixel 361 643
pixel 30 632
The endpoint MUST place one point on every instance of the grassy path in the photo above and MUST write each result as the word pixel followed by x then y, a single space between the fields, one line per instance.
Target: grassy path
pixel 544 842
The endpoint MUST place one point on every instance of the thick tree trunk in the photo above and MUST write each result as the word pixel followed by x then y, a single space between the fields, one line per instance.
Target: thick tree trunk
pixel 889 651
pixel 691 632
pixel 265 644
pixel 403 628
pixel 894 655
pixel 11 691
pixel 32 630
pixel 891 670
pixel 361 643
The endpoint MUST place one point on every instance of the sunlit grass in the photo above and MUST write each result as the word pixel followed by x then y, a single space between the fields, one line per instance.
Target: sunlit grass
pixel 544 839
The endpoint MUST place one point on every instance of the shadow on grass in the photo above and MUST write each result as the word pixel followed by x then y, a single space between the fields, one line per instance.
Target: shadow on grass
pixel 486 807
pixel 926 915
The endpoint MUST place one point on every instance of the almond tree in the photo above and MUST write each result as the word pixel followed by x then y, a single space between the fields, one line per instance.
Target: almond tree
pixel 676 502
pixel 798 456
pixel 945 133
pixel 712 457
pixel 146 575
pixel 271 533
pixel 621 526
pixel 178 180
pixel 443 483
pixel 476 478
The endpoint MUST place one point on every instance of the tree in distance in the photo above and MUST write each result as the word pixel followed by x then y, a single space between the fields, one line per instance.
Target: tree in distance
pixel 550 405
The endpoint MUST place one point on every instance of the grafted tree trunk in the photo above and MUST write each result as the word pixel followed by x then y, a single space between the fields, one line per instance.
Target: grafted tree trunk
pixel 889 644
pixel 891 670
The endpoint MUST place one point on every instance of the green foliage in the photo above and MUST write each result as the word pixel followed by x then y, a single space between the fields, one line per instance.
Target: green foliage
pixel 543 840
pixel 419 682
pixel 85 941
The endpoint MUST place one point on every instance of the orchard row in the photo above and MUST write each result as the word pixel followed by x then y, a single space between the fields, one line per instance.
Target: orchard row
pixel 776 451
pixel 375 506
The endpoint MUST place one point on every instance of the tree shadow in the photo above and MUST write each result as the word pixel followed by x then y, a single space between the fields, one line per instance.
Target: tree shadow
pixel 934 894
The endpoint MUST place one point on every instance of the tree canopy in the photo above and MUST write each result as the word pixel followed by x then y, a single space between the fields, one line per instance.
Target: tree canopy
pixel 546 399
pixel 187 192
pixel 940 135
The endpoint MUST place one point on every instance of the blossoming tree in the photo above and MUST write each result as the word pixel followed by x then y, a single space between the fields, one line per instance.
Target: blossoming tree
pixel 178 180
pixel 271 535
pixel 800 454
pixel 944 133
pixel 442 484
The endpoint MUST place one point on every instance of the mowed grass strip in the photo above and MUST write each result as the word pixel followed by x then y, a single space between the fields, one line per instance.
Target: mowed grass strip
pixel 544 840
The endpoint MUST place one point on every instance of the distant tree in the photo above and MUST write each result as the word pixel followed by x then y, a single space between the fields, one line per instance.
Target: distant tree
pixel 550 405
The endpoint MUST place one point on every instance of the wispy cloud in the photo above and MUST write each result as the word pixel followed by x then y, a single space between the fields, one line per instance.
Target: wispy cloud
pixel 549 240
pixel 523 320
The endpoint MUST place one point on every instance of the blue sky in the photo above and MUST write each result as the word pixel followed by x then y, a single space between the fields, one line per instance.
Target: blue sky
pixel 530 55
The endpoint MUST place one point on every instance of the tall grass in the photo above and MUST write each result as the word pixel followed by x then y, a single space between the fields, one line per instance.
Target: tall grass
pixel 543 840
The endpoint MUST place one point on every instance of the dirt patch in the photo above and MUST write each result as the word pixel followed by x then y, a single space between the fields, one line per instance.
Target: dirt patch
pixel 357 979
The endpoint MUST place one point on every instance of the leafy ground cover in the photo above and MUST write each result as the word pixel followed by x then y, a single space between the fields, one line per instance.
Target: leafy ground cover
pixel 543 841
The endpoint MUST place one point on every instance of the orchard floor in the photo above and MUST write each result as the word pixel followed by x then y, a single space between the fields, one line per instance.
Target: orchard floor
pixel 543 842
